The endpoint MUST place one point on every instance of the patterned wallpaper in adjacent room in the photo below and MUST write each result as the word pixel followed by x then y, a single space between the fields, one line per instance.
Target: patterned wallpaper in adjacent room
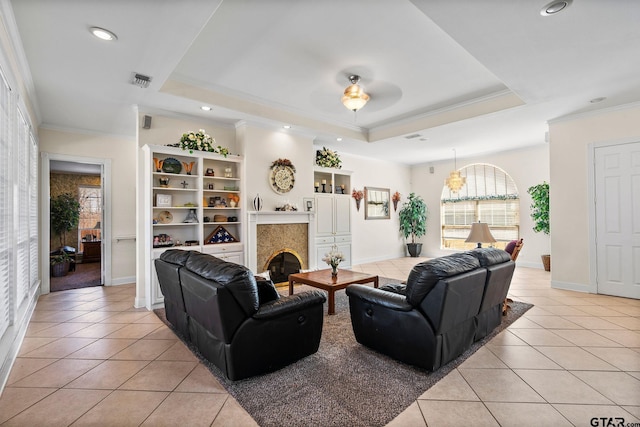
pixel 68 183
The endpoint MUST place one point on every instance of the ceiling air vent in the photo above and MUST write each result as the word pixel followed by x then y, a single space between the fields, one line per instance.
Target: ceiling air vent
pixel 415 135
pixel 141 80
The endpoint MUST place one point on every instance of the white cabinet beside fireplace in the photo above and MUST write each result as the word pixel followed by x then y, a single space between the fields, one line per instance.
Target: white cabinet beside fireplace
pixel 333 227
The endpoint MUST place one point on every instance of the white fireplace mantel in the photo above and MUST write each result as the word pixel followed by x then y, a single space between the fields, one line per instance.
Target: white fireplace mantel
pixel 255 218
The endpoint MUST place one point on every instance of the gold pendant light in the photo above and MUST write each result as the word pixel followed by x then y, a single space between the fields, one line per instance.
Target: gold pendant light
pixel 455 180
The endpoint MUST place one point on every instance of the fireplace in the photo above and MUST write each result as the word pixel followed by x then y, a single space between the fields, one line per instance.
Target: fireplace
pixel 281 264
pixel 271 233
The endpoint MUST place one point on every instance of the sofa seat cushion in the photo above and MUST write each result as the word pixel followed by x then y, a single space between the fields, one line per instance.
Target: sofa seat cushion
pixel 424 276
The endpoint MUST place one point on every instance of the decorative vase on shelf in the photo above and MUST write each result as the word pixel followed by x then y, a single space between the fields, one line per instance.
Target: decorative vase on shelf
pixel 257 203
pixel 188 167
pixel 158 164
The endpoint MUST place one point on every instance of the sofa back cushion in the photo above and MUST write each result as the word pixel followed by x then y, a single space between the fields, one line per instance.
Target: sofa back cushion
pixel 211 305
pixel 490 256
pixel 424 276
pixel 236 278
pixel 499 273
pixel 454 300
pixel 176 256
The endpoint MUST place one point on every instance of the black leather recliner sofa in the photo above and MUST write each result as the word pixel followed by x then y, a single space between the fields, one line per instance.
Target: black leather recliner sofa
pixel 238 323
pixel 446 305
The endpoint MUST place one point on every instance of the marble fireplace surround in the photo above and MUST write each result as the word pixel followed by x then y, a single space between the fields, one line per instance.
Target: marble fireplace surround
pixel 272 231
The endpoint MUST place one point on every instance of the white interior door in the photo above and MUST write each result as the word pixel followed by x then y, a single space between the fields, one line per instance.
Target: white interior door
pixel 617 192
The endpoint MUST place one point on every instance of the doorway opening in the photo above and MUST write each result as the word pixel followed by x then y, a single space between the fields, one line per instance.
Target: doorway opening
pixel 83 247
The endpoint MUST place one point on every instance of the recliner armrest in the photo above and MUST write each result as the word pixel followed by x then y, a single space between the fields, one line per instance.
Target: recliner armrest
pixel 379 297
pixel 396 288
pixel 290 304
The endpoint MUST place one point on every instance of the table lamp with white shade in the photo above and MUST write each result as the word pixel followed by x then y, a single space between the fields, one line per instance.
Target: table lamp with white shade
pixel 480 234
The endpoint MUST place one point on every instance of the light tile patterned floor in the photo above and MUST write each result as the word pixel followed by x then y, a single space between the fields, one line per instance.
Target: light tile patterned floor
pixel 90 358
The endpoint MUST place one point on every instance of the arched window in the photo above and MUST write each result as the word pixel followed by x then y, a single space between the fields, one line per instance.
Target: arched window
pixel 489 195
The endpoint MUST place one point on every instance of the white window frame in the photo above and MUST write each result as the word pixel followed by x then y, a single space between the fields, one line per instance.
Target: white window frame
pixel 486 185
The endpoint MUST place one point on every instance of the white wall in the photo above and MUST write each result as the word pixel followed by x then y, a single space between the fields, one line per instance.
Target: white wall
pixel 261 148
pixel 527 167
pixel 121 151
pixel 569 193
pixel 379 239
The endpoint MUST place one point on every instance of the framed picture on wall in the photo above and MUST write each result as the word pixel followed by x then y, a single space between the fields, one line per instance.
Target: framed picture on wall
pixel 376 203
pixel 308 204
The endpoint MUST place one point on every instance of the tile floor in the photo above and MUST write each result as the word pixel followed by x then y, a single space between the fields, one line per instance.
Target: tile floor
pixel 90 358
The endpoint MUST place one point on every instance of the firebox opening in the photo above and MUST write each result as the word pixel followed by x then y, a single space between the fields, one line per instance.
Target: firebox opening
pixel 281 264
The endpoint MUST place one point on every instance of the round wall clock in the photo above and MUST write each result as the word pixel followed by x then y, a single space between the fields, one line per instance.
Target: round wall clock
pixel 282 179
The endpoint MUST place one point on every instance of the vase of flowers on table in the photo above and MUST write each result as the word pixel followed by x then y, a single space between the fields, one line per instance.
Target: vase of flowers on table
pixel 333 258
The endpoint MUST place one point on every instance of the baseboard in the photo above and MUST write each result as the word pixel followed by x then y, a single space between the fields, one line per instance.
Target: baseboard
pixel 377 259
pixel 568 286
pixel 123 281
pixel 537 265
pixel 140 302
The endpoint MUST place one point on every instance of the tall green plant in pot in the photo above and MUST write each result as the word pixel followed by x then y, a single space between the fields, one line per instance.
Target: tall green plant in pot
pixel 540 214
pixel 413 222
pixel 65 214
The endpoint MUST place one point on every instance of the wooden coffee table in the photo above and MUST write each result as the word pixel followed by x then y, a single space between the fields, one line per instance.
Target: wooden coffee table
pixel 322 279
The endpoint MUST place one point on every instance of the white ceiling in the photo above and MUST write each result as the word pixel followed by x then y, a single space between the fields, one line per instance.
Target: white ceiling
pixel 477 76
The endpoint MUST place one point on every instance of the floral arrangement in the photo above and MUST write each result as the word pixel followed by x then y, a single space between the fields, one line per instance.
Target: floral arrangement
pixel 283 162
pixel 333 257
pixel 200 141
pixel 358 195
pixel 395 199
pixel 328 158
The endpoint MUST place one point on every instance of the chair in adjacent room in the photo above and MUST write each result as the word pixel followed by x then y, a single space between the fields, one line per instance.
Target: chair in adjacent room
pixel 513 248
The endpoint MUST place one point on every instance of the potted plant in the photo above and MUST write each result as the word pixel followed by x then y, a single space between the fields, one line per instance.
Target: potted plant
pixel 540 214
pixel 65 214
pixel 60 263
pixel 413 222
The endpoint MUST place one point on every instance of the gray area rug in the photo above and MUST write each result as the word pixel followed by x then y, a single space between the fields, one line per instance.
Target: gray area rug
pixel 344 383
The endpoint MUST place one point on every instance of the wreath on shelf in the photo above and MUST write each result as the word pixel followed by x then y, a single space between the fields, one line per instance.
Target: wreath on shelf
pixel 328 158
pixel 200 141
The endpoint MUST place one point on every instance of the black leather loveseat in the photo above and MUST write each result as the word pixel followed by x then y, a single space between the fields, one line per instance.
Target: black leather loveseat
pixel 446 305
pixel 238 323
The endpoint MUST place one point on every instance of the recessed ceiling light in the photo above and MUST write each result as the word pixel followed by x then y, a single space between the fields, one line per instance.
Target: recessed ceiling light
pixel 205 108
pixel 554 7
pixel 338 139
pixel 287 126
pixel 103 34
pixel 599 99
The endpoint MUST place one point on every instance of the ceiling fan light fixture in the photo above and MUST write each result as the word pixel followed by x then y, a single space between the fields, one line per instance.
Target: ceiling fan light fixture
pixel 354 97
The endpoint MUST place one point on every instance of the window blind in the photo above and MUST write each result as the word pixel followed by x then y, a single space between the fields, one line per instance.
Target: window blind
pixel 6 300
pixel 19 273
